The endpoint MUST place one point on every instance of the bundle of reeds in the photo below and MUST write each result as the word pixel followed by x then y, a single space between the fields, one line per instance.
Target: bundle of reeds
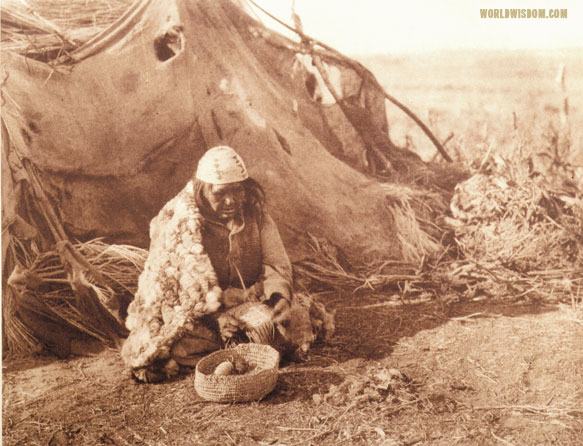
pixel 47 29
pixel 87 285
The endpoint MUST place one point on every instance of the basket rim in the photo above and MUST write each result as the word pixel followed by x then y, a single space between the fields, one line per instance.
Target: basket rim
pixel 237 388
pixel 241 349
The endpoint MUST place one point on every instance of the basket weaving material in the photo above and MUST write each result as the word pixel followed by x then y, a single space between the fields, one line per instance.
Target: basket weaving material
pixel 251 386
pixel 257 319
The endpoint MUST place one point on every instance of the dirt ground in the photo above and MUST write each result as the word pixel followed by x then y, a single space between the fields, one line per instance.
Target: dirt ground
pixel 396 373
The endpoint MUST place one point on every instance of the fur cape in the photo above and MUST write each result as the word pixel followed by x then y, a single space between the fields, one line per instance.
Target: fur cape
pixel 178 284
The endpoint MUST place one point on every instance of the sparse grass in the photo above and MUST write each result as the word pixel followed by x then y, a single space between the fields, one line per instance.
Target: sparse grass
pixel 577 305
pixel 483 97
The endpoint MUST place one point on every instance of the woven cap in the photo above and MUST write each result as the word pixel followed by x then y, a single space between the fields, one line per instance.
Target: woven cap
pixel 221 165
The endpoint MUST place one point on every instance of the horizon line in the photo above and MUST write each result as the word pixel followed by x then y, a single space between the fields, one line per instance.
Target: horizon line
pixel 461 49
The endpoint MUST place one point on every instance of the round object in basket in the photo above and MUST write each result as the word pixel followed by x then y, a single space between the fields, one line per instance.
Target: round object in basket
pixel 259 378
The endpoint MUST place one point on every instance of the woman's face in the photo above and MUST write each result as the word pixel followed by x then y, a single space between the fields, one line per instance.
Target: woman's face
pixel 227 200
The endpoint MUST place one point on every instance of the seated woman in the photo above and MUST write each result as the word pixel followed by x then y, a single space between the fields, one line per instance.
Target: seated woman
pixel 213 247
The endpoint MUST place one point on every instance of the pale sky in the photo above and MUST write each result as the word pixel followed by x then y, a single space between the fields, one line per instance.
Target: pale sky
pixel 388 26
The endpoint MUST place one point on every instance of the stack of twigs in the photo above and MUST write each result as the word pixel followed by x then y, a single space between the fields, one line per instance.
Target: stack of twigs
pixel 47 29
pixel 87 285
pixel 517 237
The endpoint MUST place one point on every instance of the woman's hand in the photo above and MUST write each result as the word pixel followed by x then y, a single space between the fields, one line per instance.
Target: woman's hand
pixel 228 326
pixel 281 309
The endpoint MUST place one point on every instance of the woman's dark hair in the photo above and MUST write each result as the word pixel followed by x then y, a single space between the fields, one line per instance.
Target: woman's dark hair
pixel 254 200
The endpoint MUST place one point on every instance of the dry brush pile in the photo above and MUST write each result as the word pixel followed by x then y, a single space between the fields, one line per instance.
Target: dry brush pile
pixel 507 233
pixel 517 235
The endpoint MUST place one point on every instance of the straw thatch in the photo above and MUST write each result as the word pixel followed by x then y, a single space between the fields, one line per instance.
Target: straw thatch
pixel 46 29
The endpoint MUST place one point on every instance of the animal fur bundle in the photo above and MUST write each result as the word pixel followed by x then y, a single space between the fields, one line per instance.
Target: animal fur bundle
pixel 309 321
pixel 178 284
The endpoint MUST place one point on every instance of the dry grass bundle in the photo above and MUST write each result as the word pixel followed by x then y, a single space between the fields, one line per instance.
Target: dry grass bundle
pixel 327 269
pixel 120 264
pixel 119 267
pixel 88 289
pixel 517 237
pixel 47 29
pixel 415 243
pixel 412 212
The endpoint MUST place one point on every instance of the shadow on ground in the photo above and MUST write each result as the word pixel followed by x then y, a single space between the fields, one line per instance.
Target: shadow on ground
pixel 368 326
pixel 92 400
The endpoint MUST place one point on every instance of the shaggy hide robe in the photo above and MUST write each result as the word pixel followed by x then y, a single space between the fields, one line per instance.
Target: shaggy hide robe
pixel 178 284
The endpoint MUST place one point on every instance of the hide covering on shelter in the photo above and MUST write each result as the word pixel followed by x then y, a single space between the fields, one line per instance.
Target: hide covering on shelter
pixel 117 134
pixel 95 142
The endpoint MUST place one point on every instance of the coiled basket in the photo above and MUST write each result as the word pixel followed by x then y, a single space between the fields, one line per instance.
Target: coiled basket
pixel 251 386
